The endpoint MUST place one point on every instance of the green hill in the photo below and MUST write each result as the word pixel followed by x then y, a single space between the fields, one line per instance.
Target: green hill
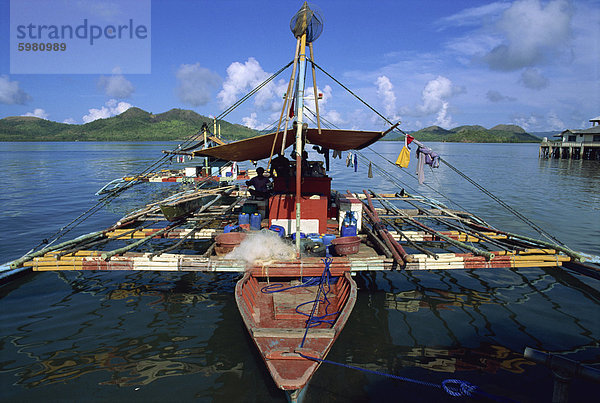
pixel 476 134
pixel 132 125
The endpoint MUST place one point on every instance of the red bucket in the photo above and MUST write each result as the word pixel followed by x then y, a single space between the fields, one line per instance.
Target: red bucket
pixel 347 245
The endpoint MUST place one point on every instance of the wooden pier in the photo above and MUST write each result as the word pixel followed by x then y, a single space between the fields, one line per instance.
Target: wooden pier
pixel 574 144
pixel 570 150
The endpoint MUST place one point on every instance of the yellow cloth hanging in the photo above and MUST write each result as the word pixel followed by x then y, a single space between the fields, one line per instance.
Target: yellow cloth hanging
pixel 403 158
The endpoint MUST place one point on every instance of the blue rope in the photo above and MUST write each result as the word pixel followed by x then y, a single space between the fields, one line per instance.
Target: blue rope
pixel 453 387
pixel 313 320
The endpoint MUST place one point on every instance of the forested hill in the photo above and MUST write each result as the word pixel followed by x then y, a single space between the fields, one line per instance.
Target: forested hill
pixel 475 134
pixel 132 125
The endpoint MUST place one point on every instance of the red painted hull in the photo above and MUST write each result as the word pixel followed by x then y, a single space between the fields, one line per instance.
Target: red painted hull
pixel 278 330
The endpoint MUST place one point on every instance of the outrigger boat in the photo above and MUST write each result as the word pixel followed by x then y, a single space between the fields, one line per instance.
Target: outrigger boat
pixel 295 306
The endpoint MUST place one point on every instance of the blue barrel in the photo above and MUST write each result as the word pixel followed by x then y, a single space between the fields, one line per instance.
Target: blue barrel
pixel 255 220
pixel 349 230
pixel 279 229
pixel 244 219
pixel 327 238
pixel 302 235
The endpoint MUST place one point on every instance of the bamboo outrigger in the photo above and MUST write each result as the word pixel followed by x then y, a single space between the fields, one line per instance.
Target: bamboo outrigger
pixel 394 231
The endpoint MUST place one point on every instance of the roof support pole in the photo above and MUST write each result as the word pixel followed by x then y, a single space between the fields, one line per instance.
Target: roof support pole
pixel 299 149
pixel 314 77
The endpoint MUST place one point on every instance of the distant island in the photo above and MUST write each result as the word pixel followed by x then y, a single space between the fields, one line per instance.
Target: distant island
pixel 473 134
pixel 136 124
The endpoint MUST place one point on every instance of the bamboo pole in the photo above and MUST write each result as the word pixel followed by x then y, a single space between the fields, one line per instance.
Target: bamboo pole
pixel 19 262
pixel 564 249
pixel 488 255
pixel 411 243
pixel 314 77
pixel 400 256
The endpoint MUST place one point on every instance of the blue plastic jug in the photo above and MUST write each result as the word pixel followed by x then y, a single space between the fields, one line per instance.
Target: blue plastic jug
pixel 255 220
pixel 244 219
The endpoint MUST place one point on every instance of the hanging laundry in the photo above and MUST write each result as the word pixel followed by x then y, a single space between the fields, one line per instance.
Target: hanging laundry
pixel 404 157
pixel 349 160
pixel 370 173
pixel 426 156
pixel 355 162
pixel 337 154
pixel 420 165
pixel 431 157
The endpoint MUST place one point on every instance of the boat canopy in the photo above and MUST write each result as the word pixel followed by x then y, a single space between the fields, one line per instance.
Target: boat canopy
pixel 258 148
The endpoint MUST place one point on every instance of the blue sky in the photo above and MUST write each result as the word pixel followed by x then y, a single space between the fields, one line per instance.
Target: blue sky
pixel 448 63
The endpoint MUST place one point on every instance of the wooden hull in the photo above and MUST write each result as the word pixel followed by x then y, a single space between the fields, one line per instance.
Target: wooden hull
pixel 184 206
pixel 278 330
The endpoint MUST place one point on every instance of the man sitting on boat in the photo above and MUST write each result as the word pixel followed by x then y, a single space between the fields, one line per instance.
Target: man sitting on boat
pixel 281 167
pixel 260 184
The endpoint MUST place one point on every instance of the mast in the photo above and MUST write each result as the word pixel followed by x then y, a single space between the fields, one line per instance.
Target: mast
pixel 306 25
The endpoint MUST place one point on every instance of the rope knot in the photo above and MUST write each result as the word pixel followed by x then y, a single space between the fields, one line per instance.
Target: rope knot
pixel 458 388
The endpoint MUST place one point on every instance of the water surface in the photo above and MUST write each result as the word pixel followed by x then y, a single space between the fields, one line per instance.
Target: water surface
pixel 178 336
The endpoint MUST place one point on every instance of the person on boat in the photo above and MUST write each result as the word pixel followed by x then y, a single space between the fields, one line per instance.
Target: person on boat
pixel 281 166
pixel 260 184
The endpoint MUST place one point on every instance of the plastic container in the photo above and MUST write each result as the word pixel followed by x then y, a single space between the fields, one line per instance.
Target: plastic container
pixel 347 245
pixel 302 235
pixel 230 228
pixel 255 220
pixel 279 229
pixel 350 218
pixel 244 219
pixel 315 238
pixel 348 230
pixel 327 238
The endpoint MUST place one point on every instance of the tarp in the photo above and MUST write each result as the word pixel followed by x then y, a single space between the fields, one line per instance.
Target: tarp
pixel 258 148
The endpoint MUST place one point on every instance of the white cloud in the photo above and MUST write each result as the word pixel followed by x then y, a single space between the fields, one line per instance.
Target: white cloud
pixel 196 84
pixel 111 108
pixel 10 93
pixel 532 78
pixel 533 32
pixel 385 90
pixel 253 123
pixel 38 113
pixel 334 117
pixel 435 98
pixel 539 122
pixel 472 16
pixel 309 98
pixel 244 77
pixel 116 86
pixel 70 121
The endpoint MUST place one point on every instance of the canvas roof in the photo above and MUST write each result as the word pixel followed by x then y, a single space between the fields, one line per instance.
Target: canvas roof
pixel 257 148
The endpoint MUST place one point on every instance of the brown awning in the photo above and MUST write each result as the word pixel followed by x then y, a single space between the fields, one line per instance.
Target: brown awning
pixel 258 148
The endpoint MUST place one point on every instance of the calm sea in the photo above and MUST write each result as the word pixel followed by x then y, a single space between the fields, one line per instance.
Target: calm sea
pixel 122 336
